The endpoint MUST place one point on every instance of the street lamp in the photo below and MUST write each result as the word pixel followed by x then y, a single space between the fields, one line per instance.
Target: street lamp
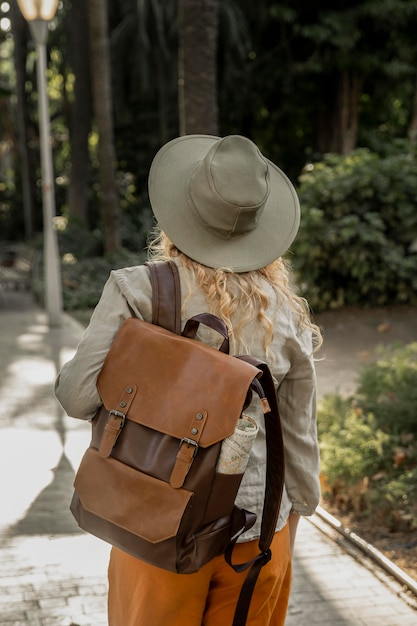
pixel 38 13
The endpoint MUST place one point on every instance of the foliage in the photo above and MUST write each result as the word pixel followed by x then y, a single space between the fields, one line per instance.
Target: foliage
pixel 84 241
pixel 84 267
pixel 290 94
pixel 144 43
pixel 357 238
pixel 369 457
pixel 83 280
pixel 389 389
pixel 352 447
pixel 10 220
pixel 77 241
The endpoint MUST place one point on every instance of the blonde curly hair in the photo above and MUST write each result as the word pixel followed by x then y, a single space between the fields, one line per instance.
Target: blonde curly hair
pixel 229 292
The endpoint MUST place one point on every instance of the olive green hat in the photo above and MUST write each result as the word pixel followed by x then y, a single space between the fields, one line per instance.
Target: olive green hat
pixel 222 203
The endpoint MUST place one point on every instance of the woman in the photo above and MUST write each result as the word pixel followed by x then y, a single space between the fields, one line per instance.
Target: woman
pixel 226 215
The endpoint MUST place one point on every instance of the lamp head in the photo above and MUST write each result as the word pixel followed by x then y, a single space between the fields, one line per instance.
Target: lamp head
pixel 38 9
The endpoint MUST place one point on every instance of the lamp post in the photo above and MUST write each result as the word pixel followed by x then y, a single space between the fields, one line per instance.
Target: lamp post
pixel 38 13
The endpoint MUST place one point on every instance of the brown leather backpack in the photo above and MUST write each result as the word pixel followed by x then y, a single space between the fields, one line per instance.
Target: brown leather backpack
pixel 148 482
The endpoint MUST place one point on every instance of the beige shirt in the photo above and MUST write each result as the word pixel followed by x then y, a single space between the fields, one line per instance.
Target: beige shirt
pixel 128 293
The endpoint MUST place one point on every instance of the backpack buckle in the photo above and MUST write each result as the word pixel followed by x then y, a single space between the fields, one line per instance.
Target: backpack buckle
pixel 183 462
pixel 119 414
pixel 190 442
pixel 112 429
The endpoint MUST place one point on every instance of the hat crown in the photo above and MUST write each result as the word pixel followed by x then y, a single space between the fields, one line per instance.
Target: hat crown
pixel 222 203
pixel 229 187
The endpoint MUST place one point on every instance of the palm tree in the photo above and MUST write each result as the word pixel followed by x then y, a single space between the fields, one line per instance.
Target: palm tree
pixel 80 123
pixel 102 105
pixel 197 66
pixel 19 50
pixel 144 51
pixel 412 127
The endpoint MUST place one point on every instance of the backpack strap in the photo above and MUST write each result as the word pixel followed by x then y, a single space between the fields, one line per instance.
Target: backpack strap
pixel 275 465
pixel 166 295
pixel 273 494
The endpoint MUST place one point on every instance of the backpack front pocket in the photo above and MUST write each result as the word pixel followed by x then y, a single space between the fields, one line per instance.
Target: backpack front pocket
pixel 143 505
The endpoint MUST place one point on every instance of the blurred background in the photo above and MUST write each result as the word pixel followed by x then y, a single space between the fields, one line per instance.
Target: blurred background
pixel 327 90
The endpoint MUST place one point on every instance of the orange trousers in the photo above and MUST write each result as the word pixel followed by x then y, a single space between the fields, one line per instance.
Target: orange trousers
pixel 143 595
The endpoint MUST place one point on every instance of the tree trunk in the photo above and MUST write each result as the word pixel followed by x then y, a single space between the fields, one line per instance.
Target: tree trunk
pixel 80 113
pixel 349 94
pixel 102 103
pixel 197 63
pixel 412 128
pixel 338 120
pixel 162 99
pixel 19 26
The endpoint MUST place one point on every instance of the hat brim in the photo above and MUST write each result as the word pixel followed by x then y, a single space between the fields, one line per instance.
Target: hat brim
pixel 168 194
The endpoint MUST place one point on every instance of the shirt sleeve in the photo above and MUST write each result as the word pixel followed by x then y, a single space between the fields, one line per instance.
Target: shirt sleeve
pixel 75 387
pixel 297 406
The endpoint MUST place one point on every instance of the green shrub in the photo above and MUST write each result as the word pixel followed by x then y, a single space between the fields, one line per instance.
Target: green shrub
pixel 76 239
pixel 356 243
pixel 369 443
pixel 389 390
pixel 352 446
pixel 84 266
pixel 11 221
pixel 83 280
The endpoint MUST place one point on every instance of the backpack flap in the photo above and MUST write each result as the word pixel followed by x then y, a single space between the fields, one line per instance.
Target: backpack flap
pixel 185 388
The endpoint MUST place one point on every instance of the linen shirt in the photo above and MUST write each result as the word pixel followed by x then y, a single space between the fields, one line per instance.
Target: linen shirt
pixel 128 293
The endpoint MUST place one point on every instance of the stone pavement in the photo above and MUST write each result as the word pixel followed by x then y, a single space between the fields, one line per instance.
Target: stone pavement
pixel 52 574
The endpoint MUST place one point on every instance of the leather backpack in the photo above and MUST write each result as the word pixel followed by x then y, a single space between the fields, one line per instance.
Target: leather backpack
pixel 148 483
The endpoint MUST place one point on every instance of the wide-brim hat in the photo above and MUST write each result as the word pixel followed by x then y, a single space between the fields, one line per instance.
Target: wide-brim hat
pixel 222 203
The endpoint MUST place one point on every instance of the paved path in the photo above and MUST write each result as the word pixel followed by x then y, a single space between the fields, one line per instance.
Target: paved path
pixel 51 574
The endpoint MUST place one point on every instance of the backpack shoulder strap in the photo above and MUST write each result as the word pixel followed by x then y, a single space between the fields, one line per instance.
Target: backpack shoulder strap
pixel 275 469
pixel 166 295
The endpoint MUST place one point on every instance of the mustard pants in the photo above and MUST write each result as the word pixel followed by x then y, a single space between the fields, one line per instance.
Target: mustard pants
pixel 144 595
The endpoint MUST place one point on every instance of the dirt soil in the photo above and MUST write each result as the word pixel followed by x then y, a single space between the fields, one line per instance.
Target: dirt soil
pixel 398 547
pixel 353 338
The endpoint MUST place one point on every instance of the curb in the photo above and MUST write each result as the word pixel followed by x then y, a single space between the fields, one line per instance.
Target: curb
pixel 324 521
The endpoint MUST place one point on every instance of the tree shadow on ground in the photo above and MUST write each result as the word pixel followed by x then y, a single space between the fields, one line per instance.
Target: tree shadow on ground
pixel 49 513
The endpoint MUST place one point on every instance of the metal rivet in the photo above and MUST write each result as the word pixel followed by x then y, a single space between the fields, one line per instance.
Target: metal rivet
pixel 129 389
pixel 194 431
pixel 123 403
pixel 199 416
